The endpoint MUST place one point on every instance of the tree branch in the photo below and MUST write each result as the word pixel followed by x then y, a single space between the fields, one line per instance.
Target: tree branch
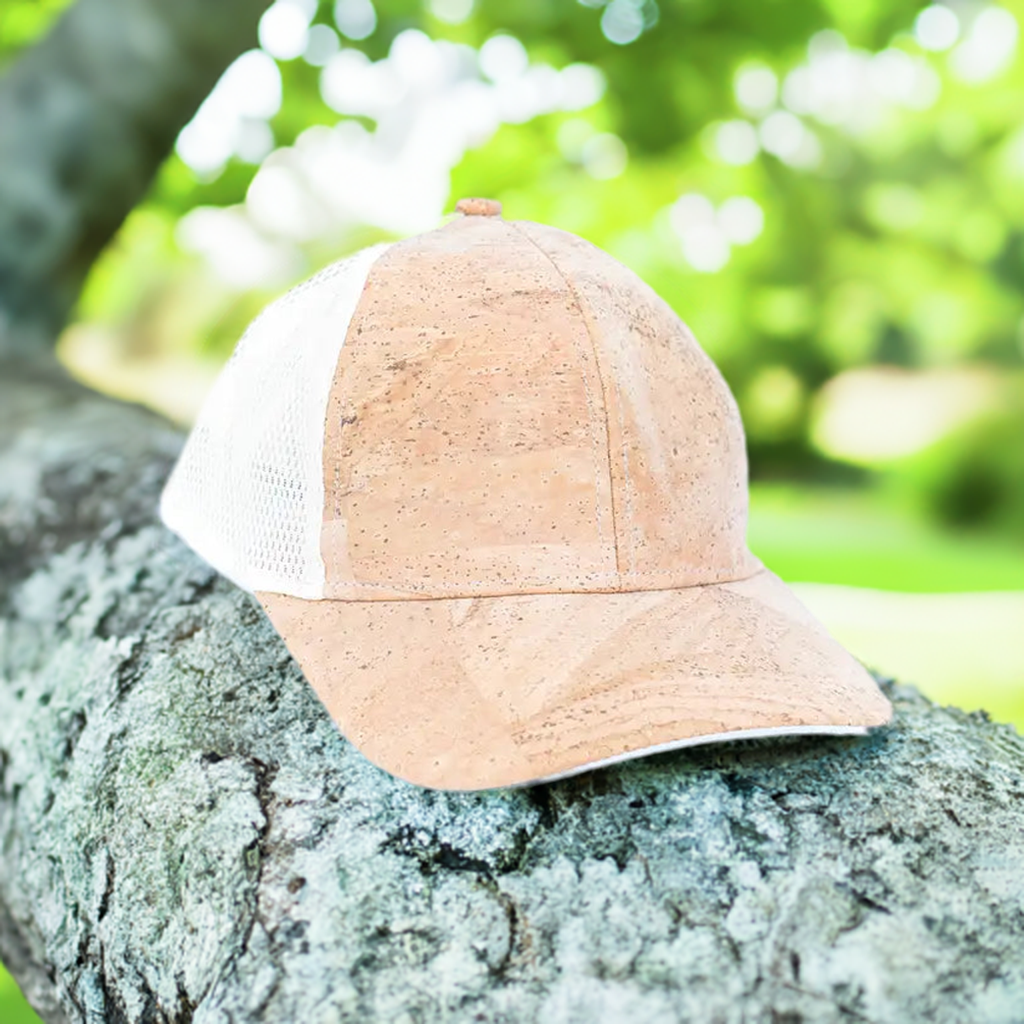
pixel 86 118
pixel 184 836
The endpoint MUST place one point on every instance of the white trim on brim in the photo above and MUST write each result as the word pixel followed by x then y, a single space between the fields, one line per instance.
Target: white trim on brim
pixel 697 741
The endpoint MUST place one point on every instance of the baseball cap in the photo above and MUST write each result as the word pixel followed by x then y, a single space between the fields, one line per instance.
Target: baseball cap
pixel 493 496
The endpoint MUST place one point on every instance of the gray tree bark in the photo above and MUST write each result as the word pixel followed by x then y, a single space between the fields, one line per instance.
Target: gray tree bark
pixel 184 836
pixel 86 118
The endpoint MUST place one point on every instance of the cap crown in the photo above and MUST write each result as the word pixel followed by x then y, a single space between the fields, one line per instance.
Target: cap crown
pixel 511 411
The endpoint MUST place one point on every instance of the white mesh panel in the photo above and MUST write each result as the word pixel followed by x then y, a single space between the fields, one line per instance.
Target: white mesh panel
pixel 248 492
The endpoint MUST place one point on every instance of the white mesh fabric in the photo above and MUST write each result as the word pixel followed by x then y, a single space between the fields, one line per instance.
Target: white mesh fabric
pixel 248 492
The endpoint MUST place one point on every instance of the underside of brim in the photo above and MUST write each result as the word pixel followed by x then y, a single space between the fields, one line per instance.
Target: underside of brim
pixel 477 693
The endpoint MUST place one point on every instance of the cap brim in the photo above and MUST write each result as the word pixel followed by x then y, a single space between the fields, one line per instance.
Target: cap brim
pixel 476 693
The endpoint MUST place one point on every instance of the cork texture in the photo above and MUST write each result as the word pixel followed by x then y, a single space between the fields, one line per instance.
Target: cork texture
pixel 465 450
pixel 476 693
pixel 534 531
pixel 515 411
pixel 677 454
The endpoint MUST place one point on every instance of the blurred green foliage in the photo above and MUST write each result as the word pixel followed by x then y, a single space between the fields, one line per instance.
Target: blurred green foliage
pixel 894 236
pixel 896 239
pixel 864 539
pixel 975 476
pixel 23 22
pixel 14 1009
pixel 827 191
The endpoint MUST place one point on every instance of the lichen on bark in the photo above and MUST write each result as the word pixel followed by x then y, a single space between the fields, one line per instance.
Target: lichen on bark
pixel 186 837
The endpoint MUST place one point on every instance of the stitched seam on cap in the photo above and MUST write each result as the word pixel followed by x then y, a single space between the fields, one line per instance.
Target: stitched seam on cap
pixel 726 579
pixel 529 581
pixel 629 484
pixel 604 394
pixel 582 360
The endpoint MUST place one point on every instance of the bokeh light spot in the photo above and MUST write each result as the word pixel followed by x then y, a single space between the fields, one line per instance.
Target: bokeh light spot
pixel 937 27
pixel 704 244
pixel 284 27
pixel 322 44
pixel 735 142
pixel 622 21
pixel 236 252
pixel 772 403
pixel 988 48
pixel 757 88
pixel 571 136
pixel 251 86
pixel 250 90
pixel 782 134
pixel 604 156
pixel 741 219
pixel 582 85
pixel 452 12
pixel 356 19
pixel 503 58
pixel 874 415
pixel 691 209
pixel 255 140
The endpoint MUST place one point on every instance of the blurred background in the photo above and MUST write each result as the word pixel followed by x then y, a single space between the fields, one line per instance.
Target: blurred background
pixel 829 192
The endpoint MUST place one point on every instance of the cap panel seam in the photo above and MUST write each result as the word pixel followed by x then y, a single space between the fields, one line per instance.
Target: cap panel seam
pixel 334 491
pixel 631 518
pixel 588 326
pixel 536 581
pixel 724 580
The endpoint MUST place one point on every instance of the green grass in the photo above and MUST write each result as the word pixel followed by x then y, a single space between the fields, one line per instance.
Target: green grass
pixel 860 539
pixel 942 609
pixel 13 1007
pixel 961 649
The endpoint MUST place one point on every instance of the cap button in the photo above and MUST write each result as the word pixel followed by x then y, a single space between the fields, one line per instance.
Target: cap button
pixel 479 207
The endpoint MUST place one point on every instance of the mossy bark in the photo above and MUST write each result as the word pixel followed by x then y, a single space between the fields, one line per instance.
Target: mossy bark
pixel 184 836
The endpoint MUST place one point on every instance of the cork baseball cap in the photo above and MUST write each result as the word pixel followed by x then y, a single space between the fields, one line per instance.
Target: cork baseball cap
pixel 493 496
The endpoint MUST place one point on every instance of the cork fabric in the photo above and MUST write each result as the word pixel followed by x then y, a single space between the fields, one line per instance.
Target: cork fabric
pixel 474 693
pixel 534 527
pixel 514 411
